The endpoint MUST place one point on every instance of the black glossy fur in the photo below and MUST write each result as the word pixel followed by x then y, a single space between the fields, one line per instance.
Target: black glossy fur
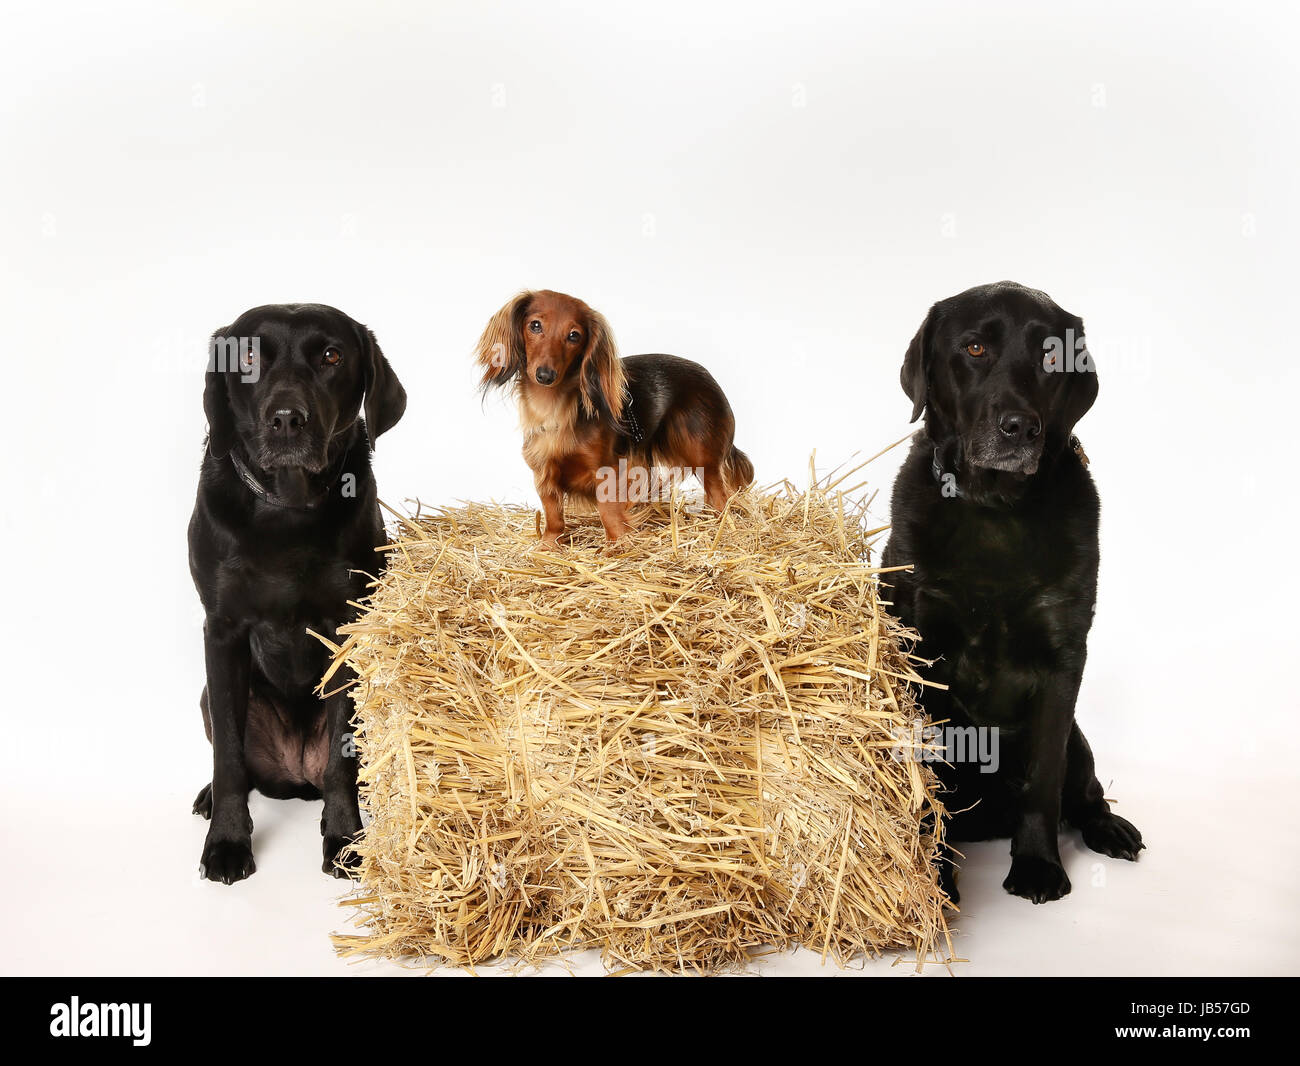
pixel 268 570
pixel 998 515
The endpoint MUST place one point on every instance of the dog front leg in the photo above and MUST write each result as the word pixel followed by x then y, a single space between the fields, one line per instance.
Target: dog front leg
pixel 613 516
pixel 1036 870
pixel 553 508
pixel 1084 805
pixel 935 703
pixel 228 850
pixel 340 822
pixel 936 706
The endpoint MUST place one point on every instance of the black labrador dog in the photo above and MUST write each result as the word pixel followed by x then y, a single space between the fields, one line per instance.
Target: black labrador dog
pixel 997 514
pixel 284 530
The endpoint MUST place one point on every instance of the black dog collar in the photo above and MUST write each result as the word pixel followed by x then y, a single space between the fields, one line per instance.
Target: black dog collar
pixel 940 477
pixel 629 418
pixel 264 494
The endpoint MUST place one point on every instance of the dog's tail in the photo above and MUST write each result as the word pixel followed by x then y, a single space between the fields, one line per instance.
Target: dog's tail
pixel 737 469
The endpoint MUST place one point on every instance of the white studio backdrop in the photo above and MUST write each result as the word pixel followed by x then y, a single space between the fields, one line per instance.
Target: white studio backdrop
pixel 776 190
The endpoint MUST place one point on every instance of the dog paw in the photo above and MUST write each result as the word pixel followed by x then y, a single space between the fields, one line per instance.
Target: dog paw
pixel 1112 835
pixel 203 802
pixel 1037 880
pixel 226 861
pixel 340 859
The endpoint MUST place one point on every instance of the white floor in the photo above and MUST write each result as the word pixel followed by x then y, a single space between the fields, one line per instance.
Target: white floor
pixel 106 884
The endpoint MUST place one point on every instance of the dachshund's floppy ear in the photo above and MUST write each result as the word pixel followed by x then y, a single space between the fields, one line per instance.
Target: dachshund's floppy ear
pixel 916 367
pixel 500 350
pixel 216 400
pixel 385 401
pixel 603 383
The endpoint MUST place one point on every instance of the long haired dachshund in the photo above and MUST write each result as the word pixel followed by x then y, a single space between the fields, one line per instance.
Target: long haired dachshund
pixel 591 418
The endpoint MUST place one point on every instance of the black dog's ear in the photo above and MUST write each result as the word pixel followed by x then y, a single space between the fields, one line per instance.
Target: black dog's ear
pixel 916 367
pixel 385 401
pixel 500 351
pixel 1080 391
pixel 222 358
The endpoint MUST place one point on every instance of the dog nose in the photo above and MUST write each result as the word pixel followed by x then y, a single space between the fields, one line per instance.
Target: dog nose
pixel 286 422
pixel 1020 426
pixel 545 375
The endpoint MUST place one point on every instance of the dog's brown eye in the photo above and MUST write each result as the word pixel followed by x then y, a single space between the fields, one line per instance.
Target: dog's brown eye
pixel 332 357
pixel 976 349
pixel 535 326
pixel 574 336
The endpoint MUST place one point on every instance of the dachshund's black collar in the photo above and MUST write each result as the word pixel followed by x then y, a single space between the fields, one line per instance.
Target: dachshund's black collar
pixel 629 419
pixel 264 494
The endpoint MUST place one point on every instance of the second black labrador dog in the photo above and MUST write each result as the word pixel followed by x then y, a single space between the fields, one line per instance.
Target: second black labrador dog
pixel 284 530
pixel 996 512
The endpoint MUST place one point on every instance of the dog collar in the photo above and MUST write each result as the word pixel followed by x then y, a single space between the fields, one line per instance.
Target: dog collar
pixel 936 468
pixel 1077 448
pixel 264 494
pixel 634 427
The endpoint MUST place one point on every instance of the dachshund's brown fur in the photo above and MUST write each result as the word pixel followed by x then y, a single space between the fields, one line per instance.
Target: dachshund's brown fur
pixel 583 409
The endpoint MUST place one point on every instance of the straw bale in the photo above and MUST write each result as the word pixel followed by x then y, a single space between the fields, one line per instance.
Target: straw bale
pixel 683 751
